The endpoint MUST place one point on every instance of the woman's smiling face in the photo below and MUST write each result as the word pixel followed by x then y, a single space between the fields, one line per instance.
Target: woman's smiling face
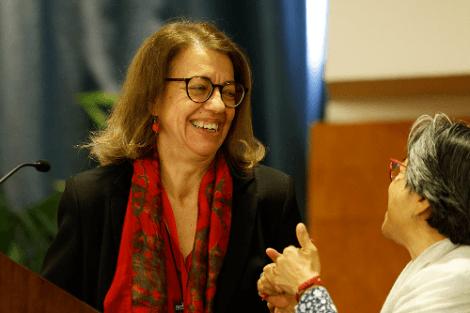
pixel 188 128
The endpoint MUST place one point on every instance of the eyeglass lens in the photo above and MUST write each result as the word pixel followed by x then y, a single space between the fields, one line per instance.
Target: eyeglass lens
pixel 394 169
pixel 201 88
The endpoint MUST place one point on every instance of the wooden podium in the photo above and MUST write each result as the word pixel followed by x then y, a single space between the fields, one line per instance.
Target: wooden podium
pixel 22 291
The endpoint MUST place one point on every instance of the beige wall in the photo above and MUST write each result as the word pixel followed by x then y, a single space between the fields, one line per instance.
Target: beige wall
pixel 378 39
pixel 396 109
pixel 370 39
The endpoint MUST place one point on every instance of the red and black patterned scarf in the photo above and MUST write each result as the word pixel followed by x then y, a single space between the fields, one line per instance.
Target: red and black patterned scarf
pixel 140 280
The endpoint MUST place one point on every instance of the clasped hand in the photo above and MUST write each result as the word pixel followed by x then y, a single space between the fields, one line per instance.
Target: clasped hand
pixel 279 282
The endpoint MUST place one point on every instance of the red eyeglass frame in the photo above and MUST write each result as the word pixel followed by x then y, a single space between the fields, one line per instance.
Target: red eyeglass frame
pixel 392 165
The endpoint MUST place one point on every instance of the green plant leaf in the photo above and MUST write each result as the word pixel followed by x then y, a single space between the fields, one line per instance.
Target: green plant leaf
pixel 31 231
pixel 97 104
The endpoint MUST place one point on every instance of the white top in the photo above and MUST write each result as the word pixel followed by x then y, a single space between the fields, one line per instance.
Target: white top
pixel 437 281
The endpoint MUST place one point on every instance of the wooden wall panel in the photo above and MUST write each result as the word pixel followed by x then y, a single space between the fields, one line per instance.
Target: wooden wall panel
pixel 347 200
pixel 456 85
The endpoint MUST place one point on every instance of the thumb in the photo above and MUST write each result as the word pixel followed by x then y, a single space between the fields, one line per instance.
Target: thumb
pixel 304 238
pixel 272 254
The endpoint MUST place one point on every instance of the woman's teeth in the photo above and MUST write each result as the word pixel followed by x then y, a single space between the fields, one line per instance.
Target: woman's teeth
pixel 209 126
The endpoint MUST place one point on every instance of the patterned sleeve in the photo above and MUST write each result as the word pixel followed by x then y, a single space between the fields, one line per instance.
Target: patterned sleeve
pixel 316 300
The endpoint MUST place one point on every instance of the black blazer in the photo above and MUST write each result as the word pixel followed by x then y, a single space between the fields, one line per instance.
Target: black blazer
pixel 83 256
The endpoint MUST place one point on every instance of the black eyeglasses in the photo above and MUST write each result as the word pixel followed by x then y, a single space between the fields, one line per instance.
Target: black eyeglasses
pixel 199 89
pixel 394 168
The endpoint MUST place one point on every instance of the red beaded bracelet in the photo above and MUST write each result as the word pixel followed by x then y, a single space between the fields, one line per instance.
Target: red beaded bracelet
pixel 315 280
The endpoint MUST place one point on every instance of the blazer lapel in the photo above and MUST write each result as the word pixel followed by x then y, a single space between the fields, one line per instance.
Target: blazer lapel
pixel 115 210
pixel 118 203
pixel 241 232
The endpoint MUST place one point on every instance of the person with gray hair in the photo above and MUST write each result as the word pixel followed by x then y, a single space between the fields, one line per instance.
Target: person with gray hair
pixel 428 214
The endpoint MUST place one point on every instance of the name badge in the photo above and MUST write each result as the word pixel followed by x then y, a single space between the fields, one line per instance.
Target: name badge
pixel 179 307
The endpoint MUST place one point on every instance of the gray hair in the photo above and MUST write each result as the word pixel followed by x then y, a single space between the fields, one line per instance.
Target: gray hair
pixel 439 170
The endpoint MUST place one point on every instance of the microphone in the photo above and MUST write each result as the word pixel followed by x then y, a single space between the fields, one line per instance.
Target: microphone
pixel 40 165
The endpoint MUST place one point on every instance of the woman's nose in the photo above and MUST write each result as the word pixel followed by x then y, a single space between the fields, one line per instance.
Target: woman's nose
pixel 215 103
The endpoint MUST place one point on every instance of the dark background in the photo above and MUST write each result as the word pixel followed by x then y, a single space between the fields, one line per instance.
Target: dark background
pixel 51 50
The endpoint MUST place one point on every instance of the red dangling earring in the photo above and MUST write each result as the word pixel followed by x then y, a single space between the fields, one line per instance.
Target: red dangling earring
pixel 156 125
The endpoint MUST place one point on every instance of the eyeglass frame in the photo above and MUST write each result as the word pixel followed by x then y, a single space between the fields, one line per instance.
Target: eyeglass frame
pixel 220 86
pixel 391 165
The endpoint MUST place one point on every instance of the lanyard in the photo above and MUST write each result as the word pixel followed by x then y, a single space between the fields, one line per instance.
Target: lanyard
pixel 179 305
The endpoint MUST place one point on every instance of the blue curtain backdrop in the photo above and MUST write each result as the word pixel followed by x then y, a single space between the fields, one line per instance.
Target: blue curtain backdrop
pixel 52 49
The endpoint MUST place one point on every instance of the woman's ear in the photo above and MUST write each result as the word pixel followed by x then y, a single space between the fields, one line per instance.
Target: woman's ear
pixel 422 208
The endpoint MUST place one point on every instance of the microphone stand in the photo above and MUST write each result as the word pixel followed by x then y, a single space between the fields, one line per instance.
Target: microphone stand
pixel 42 166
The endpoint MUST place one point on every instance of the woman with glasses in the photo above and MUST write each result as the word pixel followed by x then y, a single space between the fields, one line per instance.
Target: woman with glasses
pixel 177 216
pixel 428 214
